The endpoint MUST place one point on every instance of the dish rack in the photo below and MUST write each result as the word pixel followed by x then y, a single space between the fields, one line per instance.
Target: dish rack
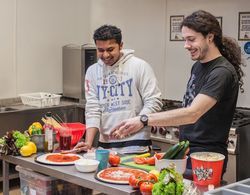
pixel 40 99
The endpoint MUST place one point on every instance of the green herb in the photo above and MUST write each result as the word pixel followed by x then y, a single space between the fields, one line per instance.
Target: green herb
pixel 2 141
pixel 20 139
pixel 170 183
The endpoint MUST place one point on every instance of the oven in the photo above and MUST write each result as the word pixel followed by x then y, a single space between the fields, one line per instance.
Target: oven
pixel 75 60
pixel 238 141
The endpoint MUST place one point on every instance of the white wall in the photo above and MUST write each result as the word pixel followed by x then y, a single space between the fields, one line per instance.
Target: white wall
pixel 34 31
pixel 32 35
pixel 7 37
pixel 143 27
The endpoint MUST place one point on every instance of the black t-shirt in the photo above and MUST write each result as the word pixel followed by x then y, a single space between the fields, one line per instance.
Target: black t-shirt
pixel 217 79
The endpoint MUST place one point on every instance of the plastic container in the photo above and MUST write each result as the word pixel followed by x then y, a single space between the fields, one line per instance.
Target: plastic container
pixel 77 131
pixel 238 188
pixel 40 99
pixel 36 183
pixel 207 168
pixel 179 164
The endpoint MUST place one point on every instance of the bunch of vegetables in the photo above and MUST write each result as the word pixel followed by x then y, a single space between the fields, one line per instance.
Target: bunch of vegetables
pixel 12 142
pixel 170 182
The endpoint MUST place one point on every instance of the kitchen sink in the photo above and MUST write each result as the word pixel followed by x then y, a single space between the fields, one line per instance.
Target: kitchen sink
pixel 7 109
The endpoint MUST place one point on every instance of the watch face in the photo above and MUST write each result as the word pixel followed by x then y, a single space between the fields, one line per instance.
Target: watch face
pixel 144 118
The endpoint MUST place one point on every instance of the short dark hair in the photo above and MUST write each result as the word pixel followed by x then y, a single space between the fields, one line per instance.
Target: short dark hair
pixel 107 32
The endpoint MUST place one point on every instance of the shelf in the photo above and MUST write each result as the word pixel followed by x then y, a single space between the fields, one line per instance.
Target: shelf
pixel 13 174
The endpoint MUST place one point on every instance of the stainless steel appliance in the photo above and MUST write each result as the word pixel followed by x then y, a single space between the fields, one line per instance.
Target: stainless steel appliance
pixel 76 60
pixel 238 141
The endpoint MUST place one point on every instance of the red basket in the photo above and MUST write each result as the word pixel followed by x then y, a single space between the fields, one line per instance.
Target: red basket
pixel 77 131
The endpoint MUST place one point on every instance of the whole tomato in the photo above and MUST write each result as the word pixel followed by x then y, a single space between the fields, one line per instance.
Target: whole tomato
pixel 114 160
pixel 146 188
pixel 150 177
pixel 135 181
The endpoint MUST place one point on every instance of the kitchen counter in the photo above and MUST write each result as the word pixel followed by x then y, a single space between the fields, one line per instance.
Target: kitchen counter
pixel 67 173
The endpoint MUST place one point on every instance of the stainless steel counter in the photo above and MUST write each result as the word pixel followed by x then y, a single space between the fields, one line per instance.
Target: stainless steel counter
pixel 67 173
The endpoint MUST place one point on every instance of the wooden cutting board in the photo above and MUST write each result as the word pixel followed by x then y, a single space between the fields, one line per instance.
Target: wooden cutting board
pixel 129 162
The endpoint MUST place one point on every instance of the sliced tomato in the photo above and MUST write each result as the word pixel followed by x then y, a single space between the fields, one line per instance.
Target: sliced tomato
pixel 150 160
pixel 139 160
pixel 159 155
pixel 114 160
pixel 146 187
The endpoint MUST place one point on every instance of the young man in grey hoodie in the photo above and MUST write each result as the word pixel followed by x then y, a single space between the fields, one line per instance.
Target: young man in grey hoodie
pixel 119 86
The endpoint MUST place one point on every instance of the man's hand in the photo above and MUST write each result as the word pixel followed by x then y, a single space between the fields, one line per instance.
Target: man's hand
pixel 126 128
pixel 82 146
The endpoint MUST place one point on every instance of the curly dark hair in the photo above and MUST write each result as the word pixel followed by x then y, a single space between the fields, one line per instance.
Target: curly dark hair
pixel 205 23
pixel 107 32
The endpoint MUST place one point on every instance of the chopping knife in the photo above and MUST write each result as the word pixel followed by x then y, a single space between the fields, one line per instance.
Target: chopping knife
pixel 70 151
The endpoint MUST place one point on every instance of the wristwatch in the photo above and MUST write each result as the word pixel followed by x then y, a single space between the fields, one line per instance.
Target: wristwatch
pixel 144 120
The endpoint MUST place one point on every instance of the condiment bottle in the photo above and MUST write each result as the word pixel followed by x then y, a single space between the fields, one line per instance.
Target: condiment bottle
pixel 48 129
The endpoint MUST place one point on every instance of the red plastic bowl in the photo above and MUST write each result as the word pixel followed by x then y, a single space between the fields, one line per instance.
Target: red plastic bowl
pixel 77 131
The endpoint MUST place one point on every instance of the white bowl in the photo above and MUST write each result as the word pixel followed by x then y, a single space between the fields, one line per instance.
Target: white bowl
pixel 179 164
pixel 86 165
pixel 89 155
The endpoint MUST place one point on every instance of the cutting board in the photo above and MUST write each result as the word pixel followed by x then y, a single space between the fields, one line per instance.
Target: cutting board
pixel 129 162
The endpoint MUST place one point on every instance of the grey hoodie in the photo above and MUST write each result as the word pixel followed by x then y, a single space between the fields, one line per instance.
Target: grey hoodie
pixel 114 93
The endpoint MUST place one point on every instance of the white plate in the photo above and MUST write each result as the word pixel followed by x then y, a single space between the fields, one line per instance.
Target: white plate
pixel 42 159
pixel 114 173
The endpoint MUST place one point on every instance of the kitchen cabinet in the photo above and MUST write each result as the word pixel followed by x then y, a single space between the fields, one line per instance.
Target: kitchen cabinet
pixel 21 119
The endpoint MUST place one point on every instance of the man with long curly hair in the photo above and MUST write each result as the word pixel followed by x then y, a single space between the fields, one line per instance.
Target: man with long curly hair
pixel 212 90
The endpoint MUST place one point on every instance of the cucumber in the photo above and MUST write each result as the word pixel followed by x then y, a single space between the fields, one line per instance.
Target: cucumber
pixel 181 154
pixel 173 150
pixel 170 151
pixel 177 150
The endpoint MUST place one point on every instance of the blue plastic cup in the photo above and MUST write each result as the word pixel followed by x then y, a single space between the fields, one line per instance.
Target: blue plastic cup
pixel 102 156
